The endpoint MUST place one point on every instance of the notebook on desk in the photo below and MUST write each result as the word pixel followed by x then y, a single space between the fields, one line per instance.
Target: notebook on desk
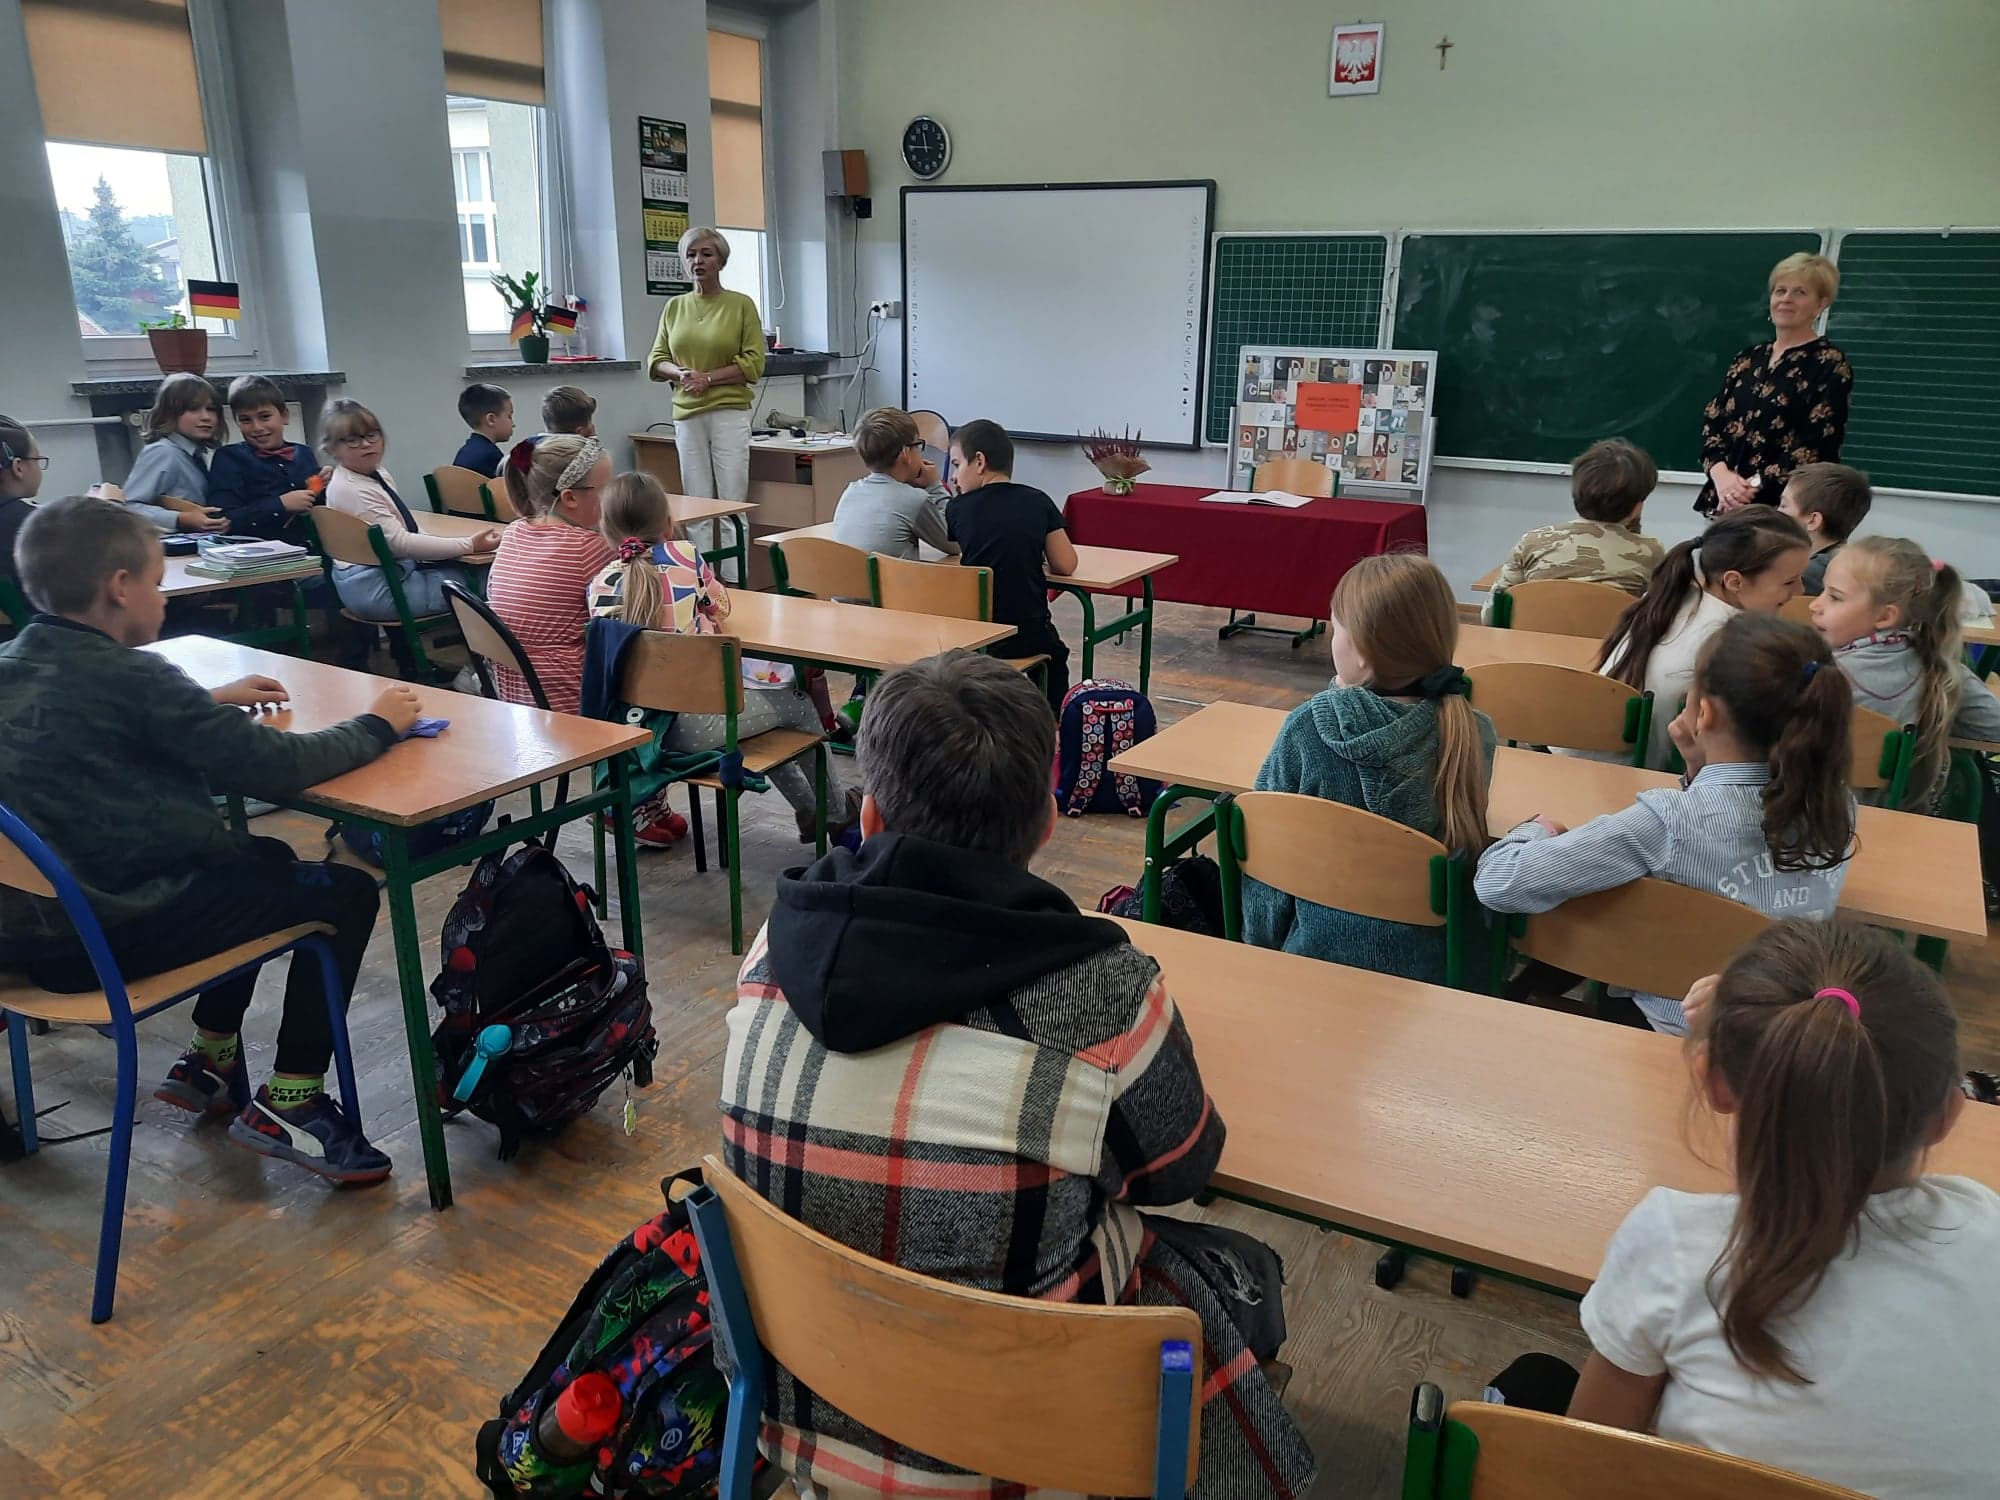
pixel 1260 497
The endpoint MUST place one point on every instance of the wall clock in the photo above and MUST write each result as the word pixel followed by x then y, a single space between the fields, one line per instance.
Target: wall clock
pixel 926 147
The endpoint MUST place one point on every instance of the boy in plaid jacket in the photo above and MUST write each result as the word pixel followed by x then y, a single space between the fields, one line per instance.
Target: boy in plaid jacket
pixel 937 1060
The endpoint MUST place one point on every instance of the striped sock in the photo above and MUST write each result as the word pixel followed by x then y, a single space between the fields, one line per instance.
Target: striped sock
pixel 220 1050
pixel 290 1093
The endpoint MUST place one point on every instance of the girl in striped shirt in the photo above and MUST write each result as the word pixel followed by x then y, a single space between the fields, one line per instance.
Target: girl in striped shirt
pixel 1763 816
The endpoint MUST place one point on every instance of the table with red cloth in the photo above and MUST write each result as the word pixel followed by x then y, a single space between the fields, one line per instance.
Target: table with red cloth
pixel 1245 557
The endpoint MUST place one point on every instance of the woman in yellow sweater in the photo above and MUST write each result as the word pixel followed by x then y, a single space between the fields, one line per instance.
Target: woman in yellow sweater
pixel 711 350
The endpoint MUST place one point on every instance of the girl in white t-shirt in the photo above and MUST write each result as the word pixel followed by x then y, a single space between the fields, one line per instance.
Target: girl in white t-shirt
pixel 1751 559
pixel 1837 1315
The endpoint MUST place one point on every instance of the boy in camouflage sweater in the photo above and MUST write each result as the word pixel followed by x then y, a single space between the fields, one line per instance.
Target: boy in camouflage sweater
pixel 112 755
pixel 1609 484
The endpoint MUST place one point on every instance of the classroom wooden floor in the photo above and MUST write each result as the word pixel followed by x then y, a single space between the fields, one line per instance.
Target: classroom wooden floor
pixel 276 1337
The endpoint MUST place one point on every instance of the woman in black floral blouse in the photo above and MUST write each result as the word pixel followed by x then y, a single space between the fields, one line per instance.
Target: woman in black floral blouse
pixel 1783 402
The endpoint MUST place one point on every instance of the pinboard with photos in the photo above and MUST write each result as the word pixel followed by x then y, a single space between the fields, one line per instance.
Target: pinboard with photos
pixel 1364 413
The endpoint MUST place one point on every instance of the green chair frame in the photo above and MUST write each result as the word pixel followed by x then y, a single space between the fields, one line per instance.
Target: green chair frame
pixel 408 646
pixel 485 499
pixel 733 780
pixel 1638 730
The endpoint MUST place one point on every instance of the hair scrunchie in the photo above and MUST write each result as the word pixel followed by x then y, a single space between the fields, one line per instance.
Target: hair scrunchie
pixel 633 548
pixel 579 467
pixel 521 457
pixel 1444 682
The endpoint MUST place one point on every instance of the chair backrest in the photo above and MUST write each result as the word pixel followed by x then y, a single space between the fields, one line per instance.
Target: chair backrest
pixel 1876 759
pixel 1293 476
pixel 1652 935
pixel 822 568
pixel 1562 606
pixel 1536 703
pixel 1525 1455
pixel 1798 609
pixel 462 492
pixel 490 641
pixel 926 588
pixel 1053 1394
pixel 1331 854
pixel 342 537
pixel 688 674
pixel 935 431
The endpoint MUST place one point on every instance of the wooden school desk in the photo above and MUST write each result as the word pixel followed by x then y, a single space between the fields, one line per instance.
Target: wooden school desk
pixel 691 510
pixel 1248 557
pixel 849 635
pixel 1495 1135
pixel 178 583
pixel 1912 872
pixel 490 749
pixel 1099 570
pixel 443 523
pixel 793 481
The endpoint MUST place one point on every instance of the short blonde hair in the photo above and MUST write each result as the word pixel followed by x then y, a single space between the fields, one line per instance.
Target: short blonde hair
pixel 345 419
pixel 704 232
pixel 1816 271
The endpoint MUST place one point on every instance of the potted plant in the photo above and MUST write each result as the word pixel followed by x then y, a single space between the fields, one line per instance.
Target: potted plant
pixel 530 326
pixel 177 347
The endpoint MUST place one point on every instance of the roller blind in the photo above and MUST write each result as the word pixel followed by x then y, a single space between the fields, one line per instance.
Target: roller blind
pixel 116 73
pixel 493 49
pixel 736 123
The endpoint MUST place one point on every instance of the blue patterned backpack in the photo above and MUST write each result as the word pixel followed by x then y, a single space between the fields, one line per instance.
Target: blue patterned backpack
pixel 1101 718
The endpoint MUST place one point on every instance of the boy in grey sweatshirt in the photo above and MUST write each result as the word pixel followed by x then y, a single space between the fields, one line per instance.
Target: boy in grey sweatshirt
pixel 900 502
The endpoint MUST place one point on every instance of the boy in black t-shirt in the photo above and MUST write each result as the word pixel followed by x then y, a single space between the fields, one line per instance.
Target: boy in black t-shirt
pixel 1016 531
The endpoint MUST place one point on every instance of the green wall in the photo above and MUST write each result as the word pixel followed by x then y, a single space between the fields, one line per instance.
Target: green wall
pixel 1564 113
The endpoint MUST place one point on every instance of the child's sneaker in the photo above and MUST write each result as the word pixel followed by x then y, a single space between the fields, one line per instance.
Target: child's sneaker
pixel 657 825
pixel 315 1135
pixel 197 1085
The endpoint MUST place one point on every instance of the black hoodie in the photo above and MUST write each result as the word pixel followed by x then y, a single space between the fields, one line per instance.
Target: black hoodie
pixel 873 947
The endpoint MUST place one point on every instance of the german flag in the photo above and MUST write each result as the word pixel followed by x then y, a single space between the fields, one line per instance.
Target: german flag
pixel 214 299
pixel 524 324
pixel 559 319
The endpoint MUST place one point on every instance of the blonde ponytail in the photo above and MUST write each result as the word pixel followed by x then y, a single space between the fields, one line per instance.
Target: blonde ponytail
pixel 633 514
pixel 1901 573
pixel 1459 787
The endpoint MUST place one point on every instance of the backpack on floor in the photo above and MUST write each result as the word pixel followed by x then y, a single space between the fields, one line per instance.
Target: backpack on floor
pixel 540 1015
pixel 1190 897
pixel 641 1321
pixel 1099 719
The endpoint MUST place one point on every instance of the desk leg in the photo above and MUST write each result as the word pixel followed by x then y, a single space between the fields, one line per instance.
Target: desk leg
pixel 1089 635
pixel 1146 636
pixel 628 860
pixel 741 551
pixel 1160 849
pixel 416 1014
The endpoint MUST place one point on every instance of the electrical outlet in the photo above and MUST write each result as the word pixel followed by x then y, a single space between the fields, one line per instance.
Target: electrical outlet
pixel 886 308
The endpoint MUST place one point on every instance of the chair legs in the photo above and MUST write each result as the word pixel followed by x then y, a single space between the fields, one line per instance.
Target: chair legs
pixel 726 807
pixel 343 1050
pixel 695 830
pixel 24 1083
pixel 111 1234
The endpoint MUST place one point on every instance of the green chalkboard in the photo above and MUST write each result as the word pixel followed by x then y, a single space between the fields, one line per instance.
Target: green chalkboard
pixel 1290 291
pixel 1548 342
pixel 1919 319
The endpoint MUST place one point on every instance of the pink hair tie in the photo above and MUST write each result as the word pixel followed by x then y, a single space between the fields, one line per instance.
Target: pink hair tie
pixel 1853 1005
pixel 633 548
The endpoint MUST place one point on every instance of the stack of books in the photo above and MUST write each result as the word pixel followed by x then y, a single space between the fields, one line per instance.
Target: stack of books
pixel 244 557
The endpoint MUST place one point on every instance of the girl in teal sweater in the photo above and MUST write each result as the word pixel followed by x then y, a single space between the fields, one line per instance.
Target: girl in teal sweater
pixel 1396 735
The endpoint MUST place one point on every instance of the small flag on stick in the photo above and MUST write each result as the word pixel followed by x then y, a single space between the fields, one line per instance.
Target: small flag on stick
pixel 214 299
pixel 524 324
pixel 559 319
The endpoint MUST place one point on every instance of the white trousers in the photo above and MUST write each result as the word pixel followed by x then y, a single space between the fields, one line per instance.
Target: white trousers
pixel 715 461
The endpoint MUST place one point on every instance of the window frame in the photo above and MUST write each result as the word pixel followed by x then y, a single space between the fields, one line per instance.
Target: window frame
pixel 737 23
pixel 470 208
pixel 223 178
pixel 494 342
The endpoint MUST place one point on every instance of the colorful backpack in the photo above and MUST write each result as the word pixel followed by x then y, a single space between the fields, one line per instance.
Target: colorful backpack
pixel 641 1321
pixel 1099 719
pixel 540 1016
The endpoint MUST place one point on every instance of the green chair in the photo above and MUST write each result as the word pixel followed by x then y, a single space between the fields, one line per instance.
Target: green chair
pixel 944 588
pixel 461 492
pixel 1883 755
pixel 817 567
pixel 1535 703
pixel 342 538
pixel 1561 606
pixel 703 674
pixel 1474 1450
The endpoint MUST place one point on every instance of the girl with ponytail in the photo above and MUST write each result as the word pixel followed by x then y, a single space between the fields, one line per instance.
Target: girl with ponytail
pixel 1891 616
pixel 1763 816
pixel 1396 735
pixel 1835 1314
pixel 546 562
pixel 659 582
pixel 1751 560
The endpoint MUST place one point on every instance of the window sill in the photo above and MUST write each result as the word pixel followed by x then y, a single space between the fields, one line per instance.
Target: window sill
pixel 481 371
pixel 292 382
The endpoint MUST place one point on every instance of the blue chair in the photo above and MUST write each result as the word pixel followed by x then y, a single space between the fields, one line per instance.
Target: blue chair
pixel 27 864
pixel 1099 1400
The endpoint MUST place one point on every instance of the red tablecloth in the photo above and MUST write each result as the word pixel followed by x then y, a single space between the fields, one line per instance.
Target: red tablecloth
pixel 1249 557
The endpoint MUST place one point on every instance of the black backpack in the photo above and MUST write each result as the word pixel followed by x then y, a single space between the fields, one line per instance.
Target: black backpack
pixel 540 1016
pixel 641 1321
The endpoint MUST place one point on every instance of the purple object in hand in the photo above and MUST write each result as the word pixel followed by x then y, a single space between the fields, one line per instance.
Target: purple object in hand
pixel 428 729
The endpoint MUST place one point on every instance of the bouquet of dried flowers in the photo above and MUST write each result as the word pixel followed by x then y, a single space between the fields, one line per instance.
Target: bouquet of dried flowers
pixel 1116 458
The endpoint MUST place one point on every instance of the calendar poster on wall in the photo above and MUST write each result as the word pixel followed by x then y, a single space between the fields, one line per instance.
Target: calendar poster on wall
pixel 663 199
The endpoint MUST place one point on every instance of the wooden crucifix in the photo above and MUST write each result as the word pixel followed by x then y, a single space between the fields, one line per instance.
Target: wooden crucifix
pixel 1443 47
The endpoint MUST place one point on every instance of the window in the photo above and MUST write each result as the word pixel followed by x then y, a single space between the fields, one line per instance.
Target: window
pixel 494 112
pixel 136 186
pixel 736 124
